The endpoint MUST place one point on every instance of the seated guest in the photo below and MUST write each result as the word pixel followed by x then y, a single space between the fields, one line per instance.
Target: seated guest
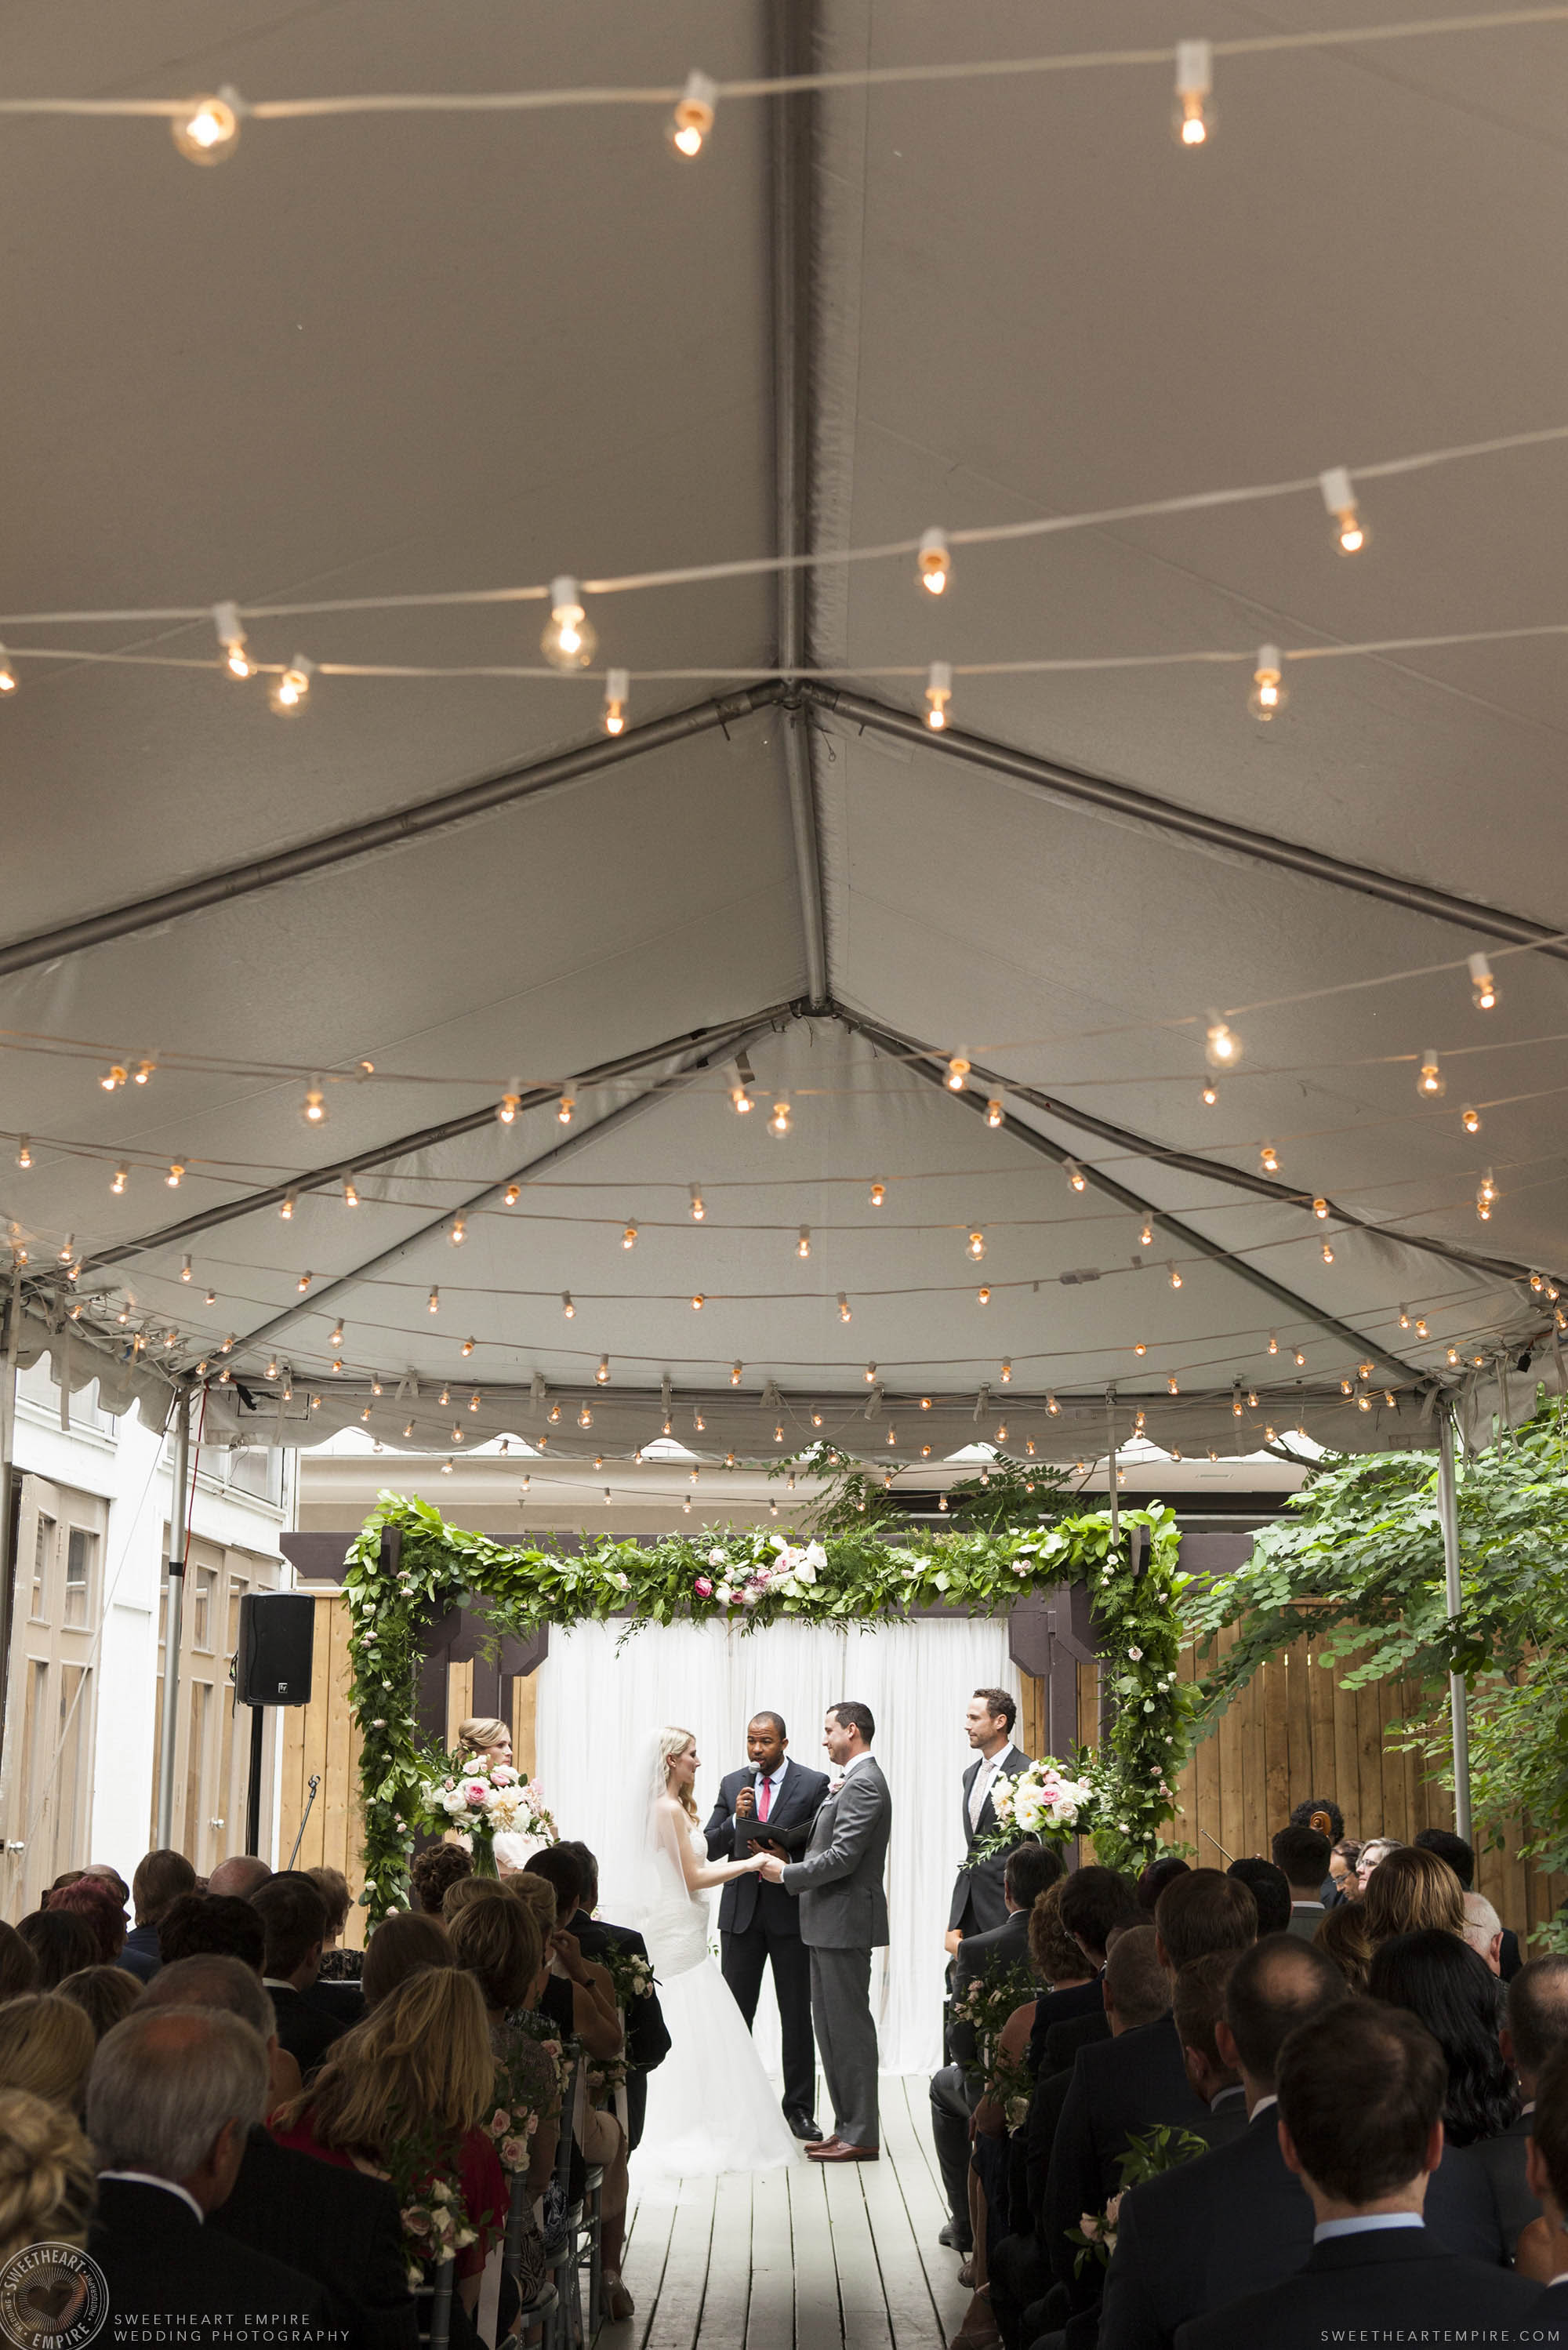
pixel 1372 1855
pixel 105 1995
pixel 1153 1880
pixel 647 2034
pixel 200 1925
pixel 173 2097
pixel 1236 2219
pixel 1365 2160
pixel 1412 1890
pixel 402 1945
pixel 160 1877
pixel 439 1865
pixel 1343 1934
pixel 1343 1882
pixel 1536 2008
pixel 532 1891
pixel 1094 1903
pixel 61 1944
pixel 1483 1931
pixel 18 1967
pixel 338 1964
pixel 48 2182
pixel 420 2062
pixel 91 1900
pixel 294 1920
pixel 1304 1854
pixel 1138 2081
pixel 1548 2179
pixel 500 1945
pixel 1460 1857
pixel 112 1879
pixel 1061 1965
pixel 47 2047
pixel 1197 2005
pixel 239 1876
pixel 1440 1978
pixel 1031 1869
pixel 580 1997
pixel 1269 1888
pixel 340 2227
pixel 1322 1814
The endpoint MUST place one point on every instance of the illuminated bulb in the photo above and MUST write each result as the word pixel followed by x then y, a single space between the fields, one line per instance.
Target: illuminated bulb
pixel 292 690
pixel 1140 1348
pixel 1350 531
pixel 445 1397
pixel 509 1104
pixel 698 1302
pixel 1389 1398
pixel 1051 1406
pixel 555 1414
pixel 1236 1407
pixel 1007 1374
pixel 938 693
pixel 337 1337
pixel 1001 1431
pixel 468 1346
pixel 512 1194
pixel 1483 1207
pixel 1470 1119
pixel 1138 1425
pixel 618 693
pixel 1453 1355
pixel 803 1245
pixel 975 1245
pixel 1146 1235
pixel 184 1268
pixel 1319 1209
pixel 1210 1093
pixel 1172 1386
pixel 458 1232
pixel 570 640
pixel 350 1192
pixel 1421 1330
pixel 698 1422
pixel 1269 1159
pixel 584 1418
pixel 208 130
pixel 366 1413
pixel 1430 1082
pixel 1364 1403
pixel 567 1308
pixel 1327 1253
pixel 602 1374
pixel 211 1297
pixel 698 1210
pixel 1252 1398
pixel 934 563
pixel 994 1113
pixel 446 1468
pixel 629 1238
pixel 434 1301
pixel 817 1419
pixel 1223 1047
pixel 740 1099
pixel 1483 987
pixel 878 1193
pixel 735 1374
pixel 693 117
pixel 779 1123
pixel 337 1362
pixel 1076 1175
pixel 686 1500
pixel 1274 1343
pixel 121 1177
pixel 144 1069
pixel 568 1104
pixel 313 1108
pixel 176 1170
pixel 115 1077
pixel 1535 1281
pixel 942 1504
pixel 1175 1276
pixel 376 1390
pixel 957 1071
pixel 286 1210
pixel 67 1248
pixel 1268 695
pixel 24 1153
pixel 1487 1187
pixel 231 638
pixel 983 1294
pixel 271 1369
pixel 7 675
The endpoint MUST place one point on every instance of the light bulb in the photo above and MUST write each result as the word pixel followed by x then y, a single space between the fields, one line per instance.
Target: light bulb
pixel 1191 120
pixel 337 1337
pixel 176 1170
pixel 1210 1093
pixel 1076 1175
pixel 211 1297
pixel 1470 1119
pixel 693 117
pixel 938 693
pixel 144 1069
pixel 618 693
pixel 1487 1187
pixel 983 1294
pixel 584 1418
pixel 350 1192
pixel 778 1125
pixel 1051 1406
pixel 338 1363
pixel 1223 1047
pixel 879 1194
pixel 975 1245
pixel 508 1106
pixel 1299 1358
pixel 512 1194
pixel 1453 1356
pixel 555 1414
pixel 1483 1206
pixel 121 1177
pixel 24 1151
pixel 1170 1386
pixel 1269 1159
pixel 844 1313
pixel 698 1302
pixel 292 690
pixel 468 1346
pixel 1140 1348
pixel 570 640
pixel 629 1238
pixel 602 1373
pixel 115 1079
pixel 184 1268
pixel 803 1245
pixel 1175 1276
pixel 934 563
pixel 231 638
pixel 1320 1208
pixel 208 130
pixel 567 1308
pixel 958 1072
pixel 313 1108
pixel 1145 1234
pixel 1327 1253
pixel 741 1100
pixel 285 1209
pixel 1350 532
pixel 434 1301
pixel 698 1210
pixel 568 1104
pixel 1006 1374
pixel 1483 987
pixel 1268 695
pixel 67 1248
pixel 458 1232
pixel 1274 1343
pixel 1430 1082
pixel 994 1113
pixel 735 1371
pixel 7 675
pixel 942 1504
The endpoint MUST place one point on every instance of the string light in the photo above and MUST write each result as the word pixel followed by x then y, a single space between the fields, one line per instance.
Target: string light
pixel 554 1415
pixel 1483 987
pixel 958 1073
pixel 983 1294
pixel 459 1231
pixel 1453 1357
pixel 1470 1119
pixel 879 1194
pixel 1223 1047
pixel 7 675
pixel 629 1238
pixel 563 1114
pixel 933 563
pixel 185 1269
pixel 1338 496
pixel 1051 1406
pixel 176 1171
pixel 231 638
pixel 115 1079
pixel 208 131
pixel 512 1194
pixel 735 1374
pixel 1140 1348
pixel 692 120
pixel 1327 1253
pixel 618 693
pixel 350 1192
pixel 938 693
pixel 292 690
pixel 1269 1159
pixel 994 1113
pixel 211 1297
pixel 445 1396
pixel 567 1308
pixel 144 1069
pixel 570 640
pixel 698 1302
pixel 286 1211
pixel 1145 1234
pixel 1209 1094
pixel 1172 1386
pixel 313 1108
pixel 121 1177
pixel 603 1372
pixel 1485 1196
pixel 1194 80
pixel 1389 1399
pixel 468 1346
pixel 510 1104
pixel 1175 1276
pixel 337 1337
pixel 1267 698
pixel 1274 1343
pixel 338 1363
pixel 1430 1083
pixel 844 1313
pixel 1422 1331
pixel 434 1301
pixel 975 1245
pixel 778 1123
pixel 1074 1174
pixel 271 1369
pixel 740 1099
pixel 698 1210
pixel 1007 1374
pixel 584 1418
pixel 803 1245
pixel 1320 1208
pixel 23 1150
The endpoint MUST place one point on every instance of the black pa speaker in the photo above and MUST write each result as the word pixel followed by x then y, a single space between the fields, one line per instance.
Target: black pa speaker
pixel 277 1635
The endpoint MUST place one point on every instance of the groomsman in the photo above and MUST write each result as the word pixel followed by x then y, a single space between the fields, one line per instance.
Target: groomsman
pixel 979 1904
pixel 759 1923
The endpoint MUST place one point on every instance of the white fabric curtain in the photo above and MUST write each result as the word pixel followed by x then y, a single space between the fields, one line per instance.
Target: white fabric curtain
pixel 603 1697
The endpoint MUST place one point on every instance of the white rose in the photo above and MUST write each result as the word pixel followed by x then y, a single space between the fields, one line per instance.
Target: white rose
pixel 715 1557
pixel 816 1559
pixel 1029 1807
pixel 723 1594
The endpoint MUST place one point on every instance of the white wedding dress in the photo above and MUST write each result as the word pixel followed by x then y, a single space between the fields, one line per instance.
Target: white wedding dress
pixel 710 2106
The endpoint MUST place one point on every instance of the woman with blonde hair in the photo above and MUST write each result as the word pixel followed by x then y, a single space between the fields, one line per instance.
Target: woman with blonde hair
pixel 419 2063
pixel 106 1996
pixel 1409 1891
pixel 48 2180
pixel 47 2045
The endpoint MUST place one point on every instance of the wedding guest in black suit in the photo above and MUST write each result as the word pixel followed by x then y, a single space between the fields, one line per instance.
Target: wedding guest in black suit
pixel 646 2034
pixel 1269 1888
pixel 978 1903
pixel 172 2101
pixel 1156 1875
pixel 1095 1902
pixel 1196 2006
pixel 1303 1852
pixel 759 1923
pixel 211 1924
pixel 1548 2158
pixel 340 2227
pixel 294 1923
pixel 1361 2095
pixel 160 1878
pixel 1536 2026
pixel 1031 1870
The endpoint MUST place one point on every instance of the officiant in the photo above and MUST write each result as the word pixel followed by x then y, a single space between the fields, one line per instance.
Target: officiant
pixel 771 1803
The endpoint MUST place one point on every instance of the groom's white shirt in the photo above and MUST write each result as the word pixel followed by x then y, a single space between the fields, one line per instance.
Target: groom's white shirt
pixel 864 1756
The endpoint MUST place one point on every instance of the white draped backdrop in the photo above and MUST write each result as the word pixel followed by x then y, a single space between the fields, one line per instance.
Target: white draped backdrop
pixel 600 1702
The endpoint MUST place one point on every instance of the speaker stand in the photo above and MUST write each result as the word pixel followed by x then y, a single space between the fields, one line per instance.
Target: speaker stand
pixel 253 1792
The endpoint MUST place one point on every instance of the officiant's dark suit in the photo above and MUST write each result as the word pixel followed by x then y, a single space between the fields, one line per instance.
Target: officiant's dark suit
pixel 760 1923
pixel 978 1906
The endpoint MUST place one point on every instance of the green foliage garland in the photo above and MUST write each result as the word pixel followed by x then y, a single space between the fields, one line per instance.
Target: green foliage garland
pixel 855 1575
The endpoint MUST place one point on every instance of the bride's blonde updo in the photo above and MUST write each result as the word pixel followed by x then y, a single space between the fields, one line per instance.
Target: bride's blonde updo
pixel 671 1743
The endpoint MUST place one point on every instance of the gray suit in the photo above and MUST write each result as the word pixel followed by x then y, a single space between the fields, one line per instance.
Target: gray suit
pixel 842 1917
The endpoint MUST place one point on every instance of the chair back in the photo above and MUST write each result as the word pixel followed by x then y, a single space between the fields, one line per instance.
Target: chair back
pixel 569 2125
pixel 440 2334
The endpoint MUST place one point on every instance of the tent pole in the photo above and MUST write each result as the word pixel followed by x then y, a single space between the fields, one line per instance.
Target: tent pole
pixel 1448 1511
pixel 8 1576
pixel 167 1728
pixel 1111 1430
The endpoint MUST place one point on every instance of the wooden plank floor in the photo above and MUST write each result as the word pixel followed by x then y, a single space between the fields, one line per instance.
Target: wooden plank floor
pixel 841 2257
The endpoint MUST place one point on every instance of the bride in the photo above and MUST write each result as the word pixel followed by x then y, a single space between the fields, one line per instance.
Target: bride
pixel 710 2106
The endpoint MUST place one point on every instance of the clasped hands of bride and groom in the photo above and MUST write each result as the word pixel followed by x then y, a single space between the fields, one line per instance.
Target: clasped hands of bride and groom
pixel 816 1919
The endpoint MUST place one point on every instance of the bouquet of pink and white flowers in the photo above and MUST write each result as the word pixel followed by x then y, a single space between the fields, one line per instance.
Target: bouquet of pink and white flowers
pixel 1045 1802
pixel 479 1797
pixel 745 1571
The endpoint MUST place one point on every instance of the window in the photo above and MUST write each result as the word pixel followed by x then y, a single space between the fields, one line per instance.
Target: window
pixel 43 1552
pixel 205 1582
pixel 81 1547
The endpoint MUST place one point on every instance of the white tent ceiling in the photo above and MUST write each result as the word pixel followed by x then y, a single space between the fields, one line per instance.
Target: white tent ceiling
pixel 370 358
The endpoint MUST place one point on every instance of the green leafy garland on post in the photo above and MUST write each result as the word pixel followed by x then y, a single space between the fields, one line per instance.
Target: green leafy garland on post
pixel 753 1576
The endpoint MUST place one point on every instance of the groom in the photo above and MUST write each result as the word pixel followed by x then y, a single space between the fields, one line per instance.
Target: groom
pixel 842 1917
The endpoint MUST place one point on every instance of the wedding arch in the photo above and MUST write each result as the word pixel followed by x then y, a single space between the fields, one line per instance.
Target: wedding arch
pixel 753 1577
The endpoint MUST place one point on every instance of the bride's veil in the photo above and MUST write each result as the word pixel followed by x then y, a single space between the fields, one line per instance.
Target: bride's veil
pixel 633 1867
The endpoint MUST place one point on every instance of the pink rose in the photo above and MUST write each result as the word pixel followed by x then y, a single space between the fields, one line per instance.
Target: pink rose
pixel 500 2122
pixel 515 2152
pixel 703 1587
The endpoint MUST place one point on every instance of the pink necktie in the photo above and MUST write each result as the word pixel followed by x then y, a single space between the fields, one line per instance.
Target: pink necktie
pixel 766 1799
